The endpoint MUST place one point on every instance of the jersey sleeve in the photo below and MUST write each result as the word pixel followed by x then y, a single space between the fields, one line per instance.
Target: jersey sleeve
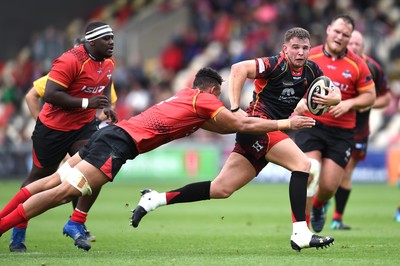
pixel 208 105
pixel 65 69
pixel 380 79
pixel 265 66
pixel 114 96
pixel 364 81
pixel 40 85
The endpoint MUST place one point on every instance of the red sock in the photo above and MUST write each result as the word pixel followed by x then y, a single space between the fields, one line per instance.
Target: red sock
pixel 22 195
pixel 318 204
pixel 171 195
pixel 308 218
pixel 79 216
pixel 337 216
pixel 293 218
pixel 17 216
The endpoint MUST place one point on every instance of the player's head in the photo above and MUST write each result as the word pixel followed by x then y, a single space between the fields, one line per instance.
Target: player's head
pixel 297 46
pixel 100 39
pixel 356 43
pixel 338 34
pixel 208 78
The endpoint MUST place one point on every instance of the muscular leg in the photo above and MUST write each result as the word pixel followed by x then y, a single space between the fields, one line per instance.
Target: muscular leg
pixel 330 179
pixel 53 197
pixel 287 154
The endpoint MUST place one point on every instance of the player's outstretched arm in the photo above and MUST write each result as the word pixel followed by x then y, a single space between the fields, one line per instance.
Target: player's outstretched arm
pixel 226 122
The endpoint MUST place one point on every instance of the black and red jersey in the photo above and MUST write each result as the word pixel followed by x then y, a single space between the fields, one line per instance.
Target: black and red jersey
pixel 381 87
pixel 278 87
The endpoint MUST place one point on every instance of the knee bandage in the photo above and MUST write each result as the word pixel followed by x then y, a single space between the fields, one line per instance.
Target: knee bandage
pixel 64 171
pixel 78 181
pixel 314 171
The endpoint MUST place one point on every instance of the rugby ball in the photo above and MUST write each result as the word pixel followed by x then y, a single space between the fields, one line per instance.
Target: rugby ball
pixel 318 86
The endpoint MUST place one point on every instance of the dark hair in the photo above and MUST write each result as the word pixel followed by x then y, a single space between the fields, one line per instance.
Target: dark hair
pixel 296 32
pixel 207 77
pixel 346 18
pixel 78 41
pixel 93 25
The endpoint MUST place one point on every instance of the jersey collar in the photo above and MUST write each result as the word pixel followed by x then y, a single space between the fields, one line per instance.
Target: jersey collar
pixel 328 55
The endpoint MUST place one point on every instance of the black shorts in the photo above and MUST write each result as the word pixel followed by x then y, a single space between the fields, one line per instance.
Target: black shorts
pixel 50 146
pixel 108 149
pixel 333 142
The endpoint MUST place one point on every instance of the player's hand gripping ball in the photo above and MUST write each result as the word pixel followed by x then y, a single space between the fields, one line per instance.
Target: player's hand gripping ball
pixel 318 87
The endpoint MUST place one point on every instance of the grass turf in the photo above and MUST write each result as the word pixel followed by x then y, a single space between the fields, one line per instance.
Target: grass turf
pixel 252 227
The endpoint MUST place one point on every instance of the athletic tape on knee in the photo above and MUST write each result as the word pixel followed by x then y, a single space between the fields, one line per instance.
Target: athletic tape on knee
pixel 314 171
pixel 64 171
pixel 78 181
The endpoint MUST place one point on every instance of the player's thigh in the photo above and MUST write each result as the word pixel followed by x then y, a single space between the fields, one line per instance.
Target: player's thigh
pixel 236 172
pixel 94 176
pixel 331 176
pixel 288 155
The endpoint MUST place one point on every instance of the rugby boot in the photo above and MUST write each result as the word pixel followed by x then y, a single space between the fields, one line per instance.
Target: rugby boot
pixel 76 231
pixel 299 242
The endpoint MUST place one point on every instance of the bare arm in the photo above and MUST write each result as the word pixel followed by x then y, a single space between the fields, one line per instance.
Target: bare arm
pixel 364 99
pixel 226 122
pixel 57 95
pixel 32 99
pixel 238 75
pixel 383 100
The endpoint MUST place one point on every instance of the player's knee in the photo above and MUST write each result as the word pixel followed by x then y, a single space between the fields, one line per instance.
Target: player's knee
pixel 303 165
pixel 78 181
pixel 64 171
pixel 220 192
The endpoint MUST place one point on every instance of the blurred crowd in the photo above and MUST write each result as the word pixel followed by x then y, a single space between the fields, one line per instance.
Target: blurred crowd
pixel 216 34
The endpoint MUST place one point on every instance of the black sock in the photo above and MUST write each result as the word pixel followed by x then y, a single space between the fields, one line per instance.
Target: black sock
pixel 189 193
pixel 298 194
pixel 341 197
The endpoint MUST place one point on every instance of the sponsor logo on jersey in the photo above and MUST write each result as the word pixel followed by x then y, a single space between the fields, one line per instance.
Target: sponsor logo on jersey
pixel 97 89
pixel 346 74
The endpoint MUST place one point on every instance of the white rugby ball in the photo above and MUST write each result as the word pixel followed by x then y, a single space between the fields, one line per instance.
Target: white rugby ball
pixel 318 86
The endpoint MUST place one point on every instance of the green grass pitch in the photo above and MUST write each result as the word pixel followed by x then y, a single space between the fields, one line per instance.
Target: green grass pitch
pixel 252 227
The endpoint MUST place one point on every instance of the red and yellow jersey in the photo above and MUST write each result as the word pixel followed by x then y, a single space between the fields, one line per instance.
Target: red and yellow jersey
pixel 82 77
pixel 174 118
pixel 350 73
pixel 40 86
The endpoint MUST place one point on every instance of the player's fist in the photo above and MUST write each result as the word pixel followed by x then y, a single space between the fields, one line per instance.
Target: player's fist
pixel 98 102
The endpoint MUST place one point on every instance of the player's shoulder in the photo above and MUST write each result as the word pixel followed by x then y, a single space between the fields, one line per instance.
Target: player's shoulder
pixel 350 55
pixel 310 63
pixel 370 61
pixel 316 51
pixel 77 53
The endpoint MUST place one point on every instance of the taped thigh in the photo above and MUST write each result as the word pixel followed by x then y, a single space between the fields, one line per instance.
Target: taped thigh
pixel 78 181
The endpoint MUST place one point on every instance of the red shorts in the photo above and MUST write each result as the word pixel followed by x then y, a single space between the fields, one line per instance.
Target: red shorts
pixel 255 147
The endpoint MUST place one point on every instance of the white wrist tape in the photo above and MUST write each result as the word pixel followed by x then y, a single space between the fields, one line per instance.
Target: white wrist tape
pixel 85 103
